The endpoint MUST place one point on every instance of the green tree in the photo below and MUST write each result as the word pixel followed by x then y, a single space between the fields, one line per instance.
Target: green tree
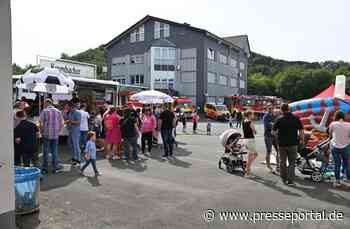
pixel 313 82
pixel 286 83
pixel 260 84
pixel 65 56
pixel 17 70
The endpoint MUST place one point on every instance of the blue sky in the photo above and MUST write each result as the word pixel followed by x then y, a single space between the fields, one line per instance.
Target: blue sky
pixel 307 30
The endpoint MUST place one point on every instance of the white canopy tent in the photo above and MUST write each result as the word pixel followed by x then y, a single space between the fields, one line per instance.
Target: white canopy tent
pixel 152 97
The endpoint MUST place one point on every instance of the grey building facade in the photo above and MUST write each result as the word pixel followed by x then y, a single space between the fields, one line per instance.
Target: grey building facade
pixel 163 55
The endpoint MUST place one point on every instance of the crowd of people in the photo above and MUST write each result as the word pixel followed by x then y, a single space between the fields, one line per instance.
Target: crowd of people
pixel 114 130
pixel 117 131
pixel 236 118
pixel 284 132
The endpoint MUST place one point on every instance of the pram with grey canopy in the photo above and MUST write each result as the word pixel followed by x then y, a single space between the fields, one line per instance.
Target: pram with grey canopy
pixel 232 158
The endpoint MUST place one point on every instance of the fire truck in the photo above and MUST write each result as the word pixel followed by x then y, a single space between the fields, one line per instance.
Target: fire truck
pixel 183 105
pixel 255 103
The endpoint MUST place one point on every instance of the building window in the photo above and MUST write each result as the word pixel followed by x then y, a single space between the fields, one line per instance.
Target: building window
pixel 233 82
pixel 211 77
pixel 211 54
pixel 164 67
pixel 241 84
pixel 164 59
pixel 222 59
pixel 121 81
pixel 242 66
pixel 233 62
pixel 161 30
pixel 223 80
pixel 137 79
pixel 138 34
pixel 118 61
pixel 137 59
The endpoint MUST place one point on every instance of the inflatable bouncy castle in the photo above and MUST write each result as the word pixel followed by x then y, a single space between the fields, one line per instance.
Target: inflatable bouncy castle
pixel 317 113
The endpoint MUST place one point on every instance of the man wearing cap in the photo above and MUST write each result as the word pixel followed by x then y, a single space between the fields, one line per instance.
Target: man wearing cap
pixel 51 124
pixel 72 120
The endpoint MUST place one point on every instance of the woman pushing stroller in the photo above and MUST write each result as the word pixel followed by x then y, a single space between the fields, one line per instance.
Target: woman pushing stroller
pixel 229 140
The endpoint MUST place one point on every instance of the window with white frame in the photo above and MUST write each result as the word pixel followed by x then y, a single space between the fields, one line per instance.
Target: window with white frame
pixel 164 59
pixel 138 34
pixel 222 80
pixel 233 62
pixel 233 82
pixel 211 54
pixel 222 59
pixel 118 61
pixel 121 80
pixel 137 79
pixel 241 84
pixel 136 59
pixel 211 77
pixel 242 66
pixel 161 30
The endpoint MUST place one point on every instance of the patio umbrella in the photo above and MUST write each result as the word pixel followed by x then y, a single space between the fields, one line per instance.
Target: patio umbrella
pixel 152 97
pixel 46 80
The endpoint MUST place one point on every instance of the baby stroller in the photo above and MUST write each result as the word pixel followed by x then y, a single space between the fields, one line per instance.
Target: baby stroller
pixel 232 158
pixel 310 160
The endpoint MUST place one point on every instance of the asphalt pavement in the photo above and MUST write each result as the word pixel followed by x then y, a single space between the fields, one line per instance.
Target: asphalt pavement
pixel 184 193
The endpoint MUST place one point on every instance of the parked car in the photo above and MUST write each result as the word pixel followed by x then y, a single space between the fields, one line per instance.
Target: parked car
pixel 216 111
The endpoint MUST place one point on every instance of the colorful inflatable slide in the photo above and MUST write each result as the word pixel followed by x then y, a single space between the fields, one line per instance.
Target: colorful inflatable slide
pixel 317 113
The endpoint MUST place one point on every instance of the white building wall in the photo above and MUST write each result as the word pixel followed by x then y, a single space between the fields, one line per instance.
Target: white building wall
pixel 7 200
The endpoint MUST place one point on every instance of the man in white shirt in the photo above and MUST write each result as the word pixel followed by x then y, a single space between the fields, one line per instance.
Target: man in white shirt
pixel 84 125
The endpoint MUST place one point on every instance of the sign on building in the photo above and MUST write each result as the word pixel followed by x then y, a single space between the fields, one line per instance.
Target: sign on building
pixel 70 68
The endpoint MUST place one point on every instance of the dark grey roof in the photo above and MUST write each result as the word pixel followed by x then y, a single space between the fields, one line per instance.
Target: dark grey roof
pixel 240 41
pixel 163 43
pixel 148 17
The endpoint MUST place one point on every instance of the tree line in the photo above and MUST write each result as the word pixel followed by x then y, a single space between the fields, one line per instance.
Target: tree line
pixel 292 80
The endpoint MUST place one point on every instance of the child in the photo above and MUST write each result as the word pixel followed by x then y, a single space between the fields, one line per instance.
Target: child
pixel 230 121
pixel 195 119
pixel 209 127
pixel 90 153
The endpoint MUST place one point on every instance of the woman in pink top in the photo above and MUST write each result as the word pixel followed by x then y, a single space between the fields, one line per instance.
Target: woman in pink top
pixel 149 124
pixel 195 119
pixel 113 134
pixel 339 132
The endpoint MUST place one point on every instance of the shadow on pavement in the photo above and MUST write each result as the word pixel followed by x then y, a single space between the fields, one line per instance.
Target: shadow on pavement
pixel 62 179
pixel 322 192
pixel 273 185
pixel 30 221
pixel 138 166
pixel 177 162
pixel 94 181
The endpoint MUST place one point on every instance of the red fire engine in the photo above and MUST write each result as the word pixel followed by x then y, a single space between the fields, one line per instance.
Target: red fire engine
pixel 254 103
